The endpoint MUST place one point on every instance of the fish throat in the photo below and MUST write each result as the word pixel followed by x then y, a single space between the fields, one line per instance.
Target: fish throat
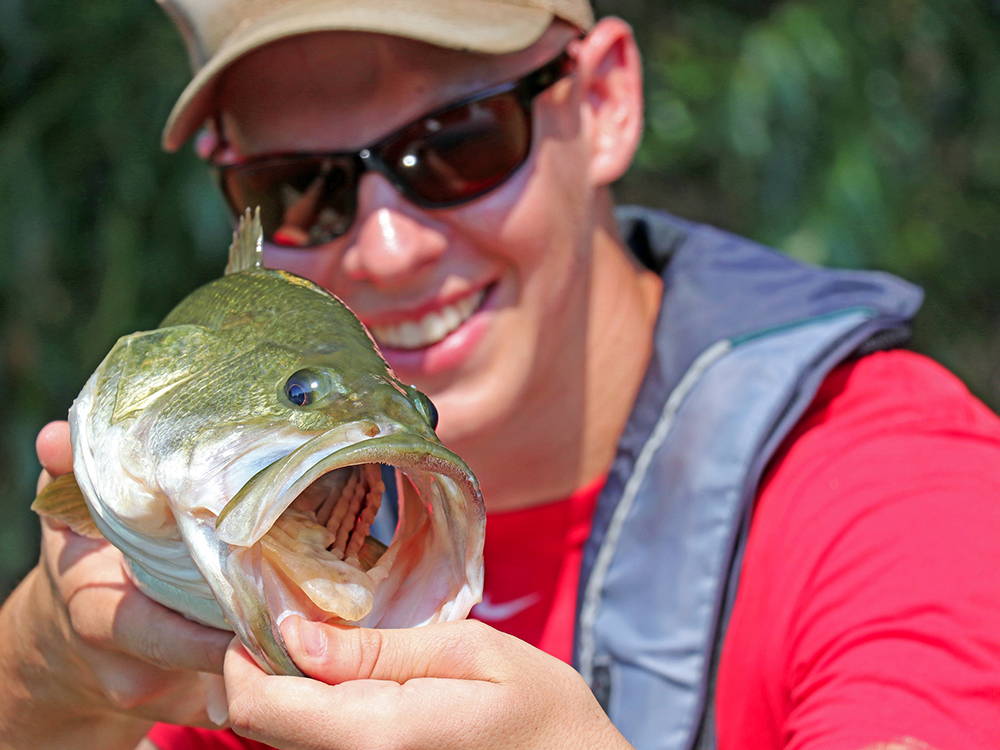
pixel 320 552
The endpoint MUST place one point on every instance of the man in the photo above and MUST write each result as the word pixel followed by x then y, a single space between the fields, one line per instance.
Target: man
pixel 633 392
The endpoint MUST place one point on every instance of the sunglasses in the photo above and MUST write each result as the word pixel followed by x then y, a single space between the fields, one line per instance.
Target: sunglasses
pixel 448 157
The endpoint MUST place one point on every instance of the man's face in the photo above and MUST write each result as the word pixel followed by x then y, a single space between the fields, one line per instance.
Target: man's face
pixel 477 304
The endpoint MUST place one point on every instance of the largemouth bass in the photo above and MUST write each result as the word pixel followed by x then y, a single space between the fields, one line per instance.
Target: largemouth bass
pixel 238 456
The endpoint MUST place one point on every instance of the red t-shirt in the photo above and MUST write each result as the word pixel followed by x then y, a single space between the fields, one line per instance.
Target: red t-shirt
pixel 869 606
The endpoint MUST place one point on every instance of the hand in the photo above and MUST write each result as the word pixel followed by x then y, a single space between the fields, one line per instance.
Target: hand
pixel 454 685
pixel 85 646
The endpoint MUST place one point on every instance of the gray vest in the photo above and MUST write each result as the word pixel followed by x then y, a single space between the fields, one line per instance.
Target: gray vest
pixel 744 339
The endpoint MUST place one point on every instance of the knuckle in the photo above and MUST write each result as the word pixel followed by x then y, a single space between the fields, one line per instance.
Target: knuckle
pixel 153 651
pixel 244 716
pixel 82 624
pixel 241 718
pixel 476 627
pixel 257 711
pixel 369 652
pixel 478 638
pixel 466 654
pixel 478 631
pixel 129 690
pixel 124 702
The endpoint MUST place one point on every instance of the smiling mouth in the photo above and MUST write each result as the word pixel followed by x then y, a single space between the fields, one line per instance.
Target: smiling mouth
pixel 431 327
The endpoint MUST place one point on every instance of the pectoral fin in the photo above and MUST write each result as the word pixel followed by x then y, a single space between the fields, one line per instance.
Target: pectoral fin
pixel 62 500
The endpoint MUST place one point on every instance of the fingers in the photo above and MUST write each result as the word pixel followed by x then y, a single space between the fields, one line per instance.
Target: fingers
pixel 108 612
pixel 454 685
pixel 105 608
pixel 119 617
pixel 53 448
pixel 298 713
pixel 460 650
pixel 141 627
pixel 54 452
pixel 118 648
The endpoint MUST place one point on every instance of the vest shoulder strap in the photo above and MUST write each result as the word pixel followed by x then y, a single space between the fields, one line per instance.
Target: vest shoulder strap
pixel 744 340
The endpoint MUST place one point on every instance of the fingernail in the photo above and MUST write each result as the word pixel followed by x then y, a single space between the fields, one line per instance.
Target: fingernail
pixel 305 637
pixel 216 706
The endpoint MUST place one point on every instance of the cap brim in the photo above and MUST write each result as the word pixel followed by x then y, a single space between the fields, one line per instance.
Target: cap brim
pixel 476 27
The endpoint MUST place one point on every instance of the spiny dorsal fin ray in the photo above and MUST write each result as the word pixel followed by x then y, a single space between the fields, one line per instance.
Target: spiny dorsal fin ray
pixel 247 248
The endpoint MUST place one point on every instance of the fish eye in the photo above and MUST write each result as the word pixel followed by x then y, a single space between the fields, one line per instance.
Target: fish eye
pixel 425 406
pixel 306 386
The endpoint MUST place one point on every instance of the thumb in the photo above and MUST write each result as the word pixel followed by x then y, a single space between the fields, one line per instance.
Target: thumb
pixel 53 448
pixel 465 650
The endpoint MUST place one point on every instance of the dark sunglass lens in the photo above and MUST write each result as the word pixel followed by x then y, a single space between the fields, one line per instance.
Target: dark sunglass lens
pixel 463 152
pixel 304 201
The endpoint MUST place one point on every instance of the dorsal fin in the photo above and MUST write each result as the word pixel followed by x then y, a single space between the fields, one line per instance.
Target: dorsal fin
pixel 246 250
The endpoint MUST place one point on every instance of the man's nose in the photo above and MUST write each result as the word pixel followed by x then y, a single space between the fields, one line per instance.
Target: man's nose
pixel 394 241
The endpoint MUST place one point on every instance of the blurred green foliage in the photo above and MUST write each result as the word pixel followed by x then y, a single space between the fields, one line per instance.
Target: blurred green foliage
pixel 846 133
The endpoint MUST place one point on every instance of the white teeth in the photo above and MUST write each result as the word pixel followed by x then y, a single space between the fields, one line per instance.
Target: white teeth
pixel 429 329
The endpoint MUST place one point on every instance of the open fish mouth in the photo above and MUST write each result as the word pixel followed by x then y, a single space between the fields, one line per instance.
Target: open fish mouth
pixel 321 547
pixel 296 539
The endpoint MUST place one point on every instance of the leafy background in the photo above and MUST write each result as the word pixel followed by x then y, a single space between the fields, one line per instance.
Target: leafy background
pixel 848 133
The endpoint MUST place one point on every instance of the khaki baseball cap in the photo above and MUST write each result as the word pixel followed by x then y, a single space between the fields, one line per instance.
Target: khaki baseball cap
pixel 217 32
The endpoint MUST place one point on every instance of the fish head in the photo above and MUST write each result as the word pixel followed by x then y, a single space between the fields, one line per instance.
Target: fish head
pixel 241 454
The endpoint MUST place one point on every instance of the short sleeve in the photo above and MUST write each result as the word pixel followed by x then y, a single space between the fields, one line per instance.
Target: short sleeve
pixel 869 603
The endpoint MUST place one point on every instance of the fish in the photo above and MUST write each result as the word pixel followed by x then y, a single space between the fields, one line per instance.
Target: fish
pixel 239 454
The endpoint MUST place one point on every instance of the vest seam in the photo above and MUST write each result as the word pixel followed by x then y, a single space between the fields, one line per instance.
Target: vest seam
pixel 808 320
pixel 589 609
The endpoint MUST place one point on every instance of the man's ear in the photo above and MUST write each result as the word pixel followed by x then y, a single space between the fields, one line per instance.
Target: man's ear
pixel 610 73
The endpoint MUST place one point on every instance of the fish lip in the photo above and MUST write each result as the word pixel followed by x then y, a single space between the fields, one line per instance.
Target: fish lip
pixel 248 516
